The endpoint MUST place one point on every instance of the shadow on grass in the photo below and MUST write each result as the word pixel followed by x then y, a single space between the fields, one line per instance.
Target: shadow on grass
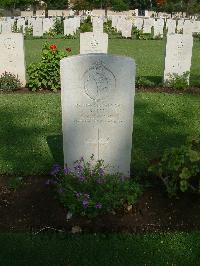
pixel 55 144
pixel 28 146
pixel 153 132
pixel 195 80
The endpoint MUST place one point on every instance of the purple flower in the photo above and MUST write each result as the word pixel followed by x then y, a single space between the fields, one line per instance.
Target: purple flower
pixel 82 178
pixel 98 206
pixel 67 171
pixel 78 194
pixel 55 170
pixel 101 172
pixel 85 203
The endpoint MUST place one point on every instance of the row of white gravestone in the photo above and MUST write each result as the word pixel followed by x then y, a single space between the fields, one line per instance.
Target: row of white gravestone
pixel 40 25
pixel 177 59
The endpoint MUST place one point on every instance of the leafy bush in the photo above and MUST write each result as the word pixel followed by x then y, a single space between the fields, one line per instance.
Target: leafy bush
pixel 9 82
pixel 58 27
pixel 178 81
pixel 86 26
pixel 46 73
pixel 139 35
pixel 144 82
pixel 88 191
pixel 179 168
pixel 112 33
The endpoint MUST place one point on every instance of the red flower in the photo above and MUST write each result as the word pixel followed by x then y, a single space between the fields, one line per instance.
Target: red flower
pixel 53 47
pixel 68 49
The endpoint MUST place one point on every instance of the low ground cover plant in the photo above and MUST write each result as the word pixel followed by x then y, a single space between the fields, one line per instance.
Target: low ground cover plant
pixel 176 81
pixel 46 73
pixel 9 82
pixel 179 168
pixel 88 190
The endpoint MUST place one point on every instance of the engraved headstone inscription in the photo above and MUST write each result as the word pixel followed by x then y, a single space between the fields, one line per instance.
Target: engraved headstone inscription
pixel 93 43
pixel 12 55
pixel 178 54
pixel 97 109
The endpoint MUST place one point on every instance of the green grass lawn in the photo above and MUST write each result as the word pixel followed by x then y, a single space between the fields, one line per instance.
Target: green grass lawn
pixel 31 138
pixel 149 55
pixel 180 249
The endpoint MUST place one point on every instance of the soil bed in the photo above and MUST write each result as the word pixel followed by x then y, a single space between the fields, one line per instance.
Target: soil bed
pixel 34 207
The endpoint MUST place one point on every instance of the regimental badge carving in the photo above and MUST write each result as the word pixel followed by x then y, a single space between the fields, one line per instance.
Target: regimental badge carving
pixel 94 44
pixel 9 44
pixel 99 81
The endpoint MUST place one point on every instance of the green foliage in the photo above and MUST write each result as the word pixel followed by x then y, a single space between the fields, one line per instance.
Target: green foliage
pixel 15 182
pixel 140 35
pixel 179 168
pixel 58 27
pixel 28 32
pixel 46 73
pixel 88 191
pixel 86 26
pixel 9 82
pixel 112 33
pixel 178 81
pixel 143 82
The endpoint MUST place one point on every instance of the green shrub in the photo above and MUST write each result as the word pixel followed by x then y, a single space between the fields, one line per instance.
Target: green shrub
pixel 139 35
pixel 86 26
pixel 179 168
pixel 88 191
pixel 9 82
pixel 58 27
pixel 143 82
pixel 46 73
pixel 176 81
pixel 112 33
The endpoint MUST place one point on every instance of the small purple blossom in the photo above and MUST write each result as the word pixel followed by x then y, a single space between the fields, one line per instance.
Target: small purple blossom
pixel 82 178
pixel 55 170
pixel 79 194
pixel 101 172
pixel 67 171
pixel 85 203
pixel 98 206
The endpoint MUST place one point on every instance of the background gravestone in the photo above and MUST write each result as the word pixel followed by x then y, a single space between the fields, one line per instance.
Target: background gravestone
pixel 93 43
pixel 97 109
pixel 178 54
pixel 12 55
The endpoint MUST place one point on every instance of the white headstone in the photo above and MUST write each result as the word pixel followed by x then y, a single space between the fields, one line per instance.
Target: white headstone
pixel 178 54
pixel 6 27
pixel 69 26
pixel 47 25
pixel 97 109
pixel 93 43
pixel 158 27
pixel 97 23
pixel 148 23
pixel 171 26
pixel 12 55
pixel 37 28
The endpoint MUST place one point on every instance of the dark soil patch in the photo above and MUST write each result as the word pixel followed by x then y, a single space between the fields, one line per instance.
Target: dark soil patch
pixel 34 206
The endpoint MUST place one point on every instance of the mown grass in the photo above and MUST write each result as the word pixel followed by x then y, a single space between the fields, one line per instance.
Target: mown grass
pixel 31 134
pixel 165 249
pixel 149 55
